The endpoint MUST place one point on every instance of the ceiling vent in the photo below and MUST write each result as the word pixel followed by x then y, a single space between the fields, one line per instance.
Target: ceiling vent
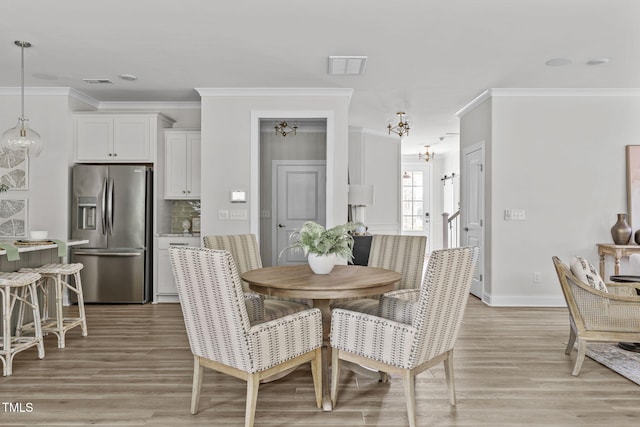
pixel 97 81
pixel 347 65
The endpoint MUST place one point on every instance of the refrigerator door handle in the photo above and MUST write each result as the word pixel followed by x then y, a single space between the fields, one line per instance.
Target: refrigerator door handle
pixel 104 207
pixel 126 254
pixel 110 206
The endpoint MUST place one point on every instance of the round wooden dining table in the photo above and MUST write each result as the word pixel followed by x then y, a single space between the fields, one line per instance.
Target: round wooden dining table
pixel 344 281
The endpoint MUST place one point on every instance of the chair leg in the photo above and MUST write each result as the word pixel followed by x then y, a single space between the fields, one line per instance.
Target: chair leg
pixel 253 382
pixel 6 330
pixel 37 325
pixel 59 315
pixel 409 381
pixel 572 341
pixel 80 297
pixel 448 373
pixel 316 372
pixel 582 349
pixel 197 384
pixel 335 375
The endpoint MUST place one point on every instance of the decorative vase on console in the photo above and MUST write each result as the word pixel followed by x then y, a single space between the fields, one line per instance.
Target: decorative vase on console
pixel 621 231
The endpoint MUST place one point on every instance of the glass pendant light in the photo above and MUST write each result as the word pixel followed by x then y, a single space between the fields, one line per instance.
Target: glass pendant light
pixel 22 137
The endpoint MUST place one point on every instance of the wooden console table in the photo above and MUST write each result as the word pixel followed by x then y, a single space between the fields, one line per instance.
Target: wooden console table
pixel 617 252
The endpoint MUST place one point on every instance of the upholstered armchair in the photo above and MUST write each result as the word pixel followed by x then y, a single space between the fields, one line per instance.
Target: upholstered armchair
pixel 401 253
pixel 221 335
pixel 246 253
pixel 412 344
pixel 597 311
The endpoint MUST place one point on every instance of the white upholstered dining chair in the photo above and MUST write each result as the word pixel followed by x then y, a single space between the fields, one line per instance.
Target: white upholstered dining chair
pixel 411 345
pixel 246 253
pixel 221 335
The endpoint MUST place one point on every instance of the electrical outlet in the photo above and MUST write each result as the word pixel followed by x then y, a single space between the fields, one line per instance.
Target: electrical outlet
pixel 537 278
pixel 223 214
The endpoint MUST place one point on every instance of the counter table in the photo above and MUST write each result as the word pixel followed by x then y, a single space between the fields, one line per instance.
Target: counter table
pixel 34 255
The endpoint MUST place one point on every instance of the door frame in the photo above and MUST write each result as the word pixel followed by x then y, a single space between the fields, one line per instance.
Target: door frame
pixel 254 190
pixel 464 193
pixel 274 199
pixel 427 170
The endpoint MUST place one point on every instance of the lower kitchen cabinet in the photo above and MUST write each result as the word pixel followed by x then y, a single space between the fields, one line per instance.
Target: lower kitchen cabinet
pixel 164 283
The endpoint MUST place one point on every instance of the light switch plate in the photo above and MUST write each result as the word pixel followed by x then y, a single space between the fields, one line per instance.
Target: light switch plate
pixel 223 214
pixel 238 214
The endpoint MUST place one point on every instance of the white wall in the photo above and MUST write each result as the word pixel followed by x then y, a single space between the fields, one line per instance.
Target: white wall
pixel 227 133
pixel 561 159
pixel 375 159
pixel 49 176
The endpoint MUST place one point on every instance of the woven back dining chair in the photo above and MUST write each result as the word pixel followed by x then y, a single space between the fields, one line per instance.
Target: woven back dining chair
pixel 597 312
pixel 221 335
pixel 408 348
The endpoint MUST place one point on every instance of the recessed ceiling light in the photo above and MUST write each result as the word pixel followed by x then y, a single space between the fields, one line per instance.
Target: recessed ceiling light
pixel 128 77
pixel 597 61
pixel 97 81
pixel 558 62
pixel 347 65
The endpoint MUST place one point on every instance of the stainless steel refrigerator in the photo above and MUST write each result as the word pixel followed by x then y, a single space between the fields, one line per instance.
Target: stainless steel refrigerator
pixel 112 208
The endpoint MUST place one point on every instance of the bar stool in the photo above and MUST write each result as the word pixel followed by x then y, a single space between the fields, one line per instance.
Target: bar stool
pixel 57 274
pixel 15 288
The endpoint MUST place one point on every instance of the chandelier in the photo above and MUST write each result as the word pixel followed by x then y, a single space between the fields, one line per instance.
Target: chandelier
pixel 402 128
pixel 283 128
pixel 427 155
pixel 22 137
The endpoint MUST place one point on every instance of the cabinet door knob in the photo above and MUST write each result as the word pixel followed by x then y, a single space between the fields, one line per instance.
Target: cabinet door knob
pixel 115 154
pixel 184 191
pixel 110 154
pixel 281 225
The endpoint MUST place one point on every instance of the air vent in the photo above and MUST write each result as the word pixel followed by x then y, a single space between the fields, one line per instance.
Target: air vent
pixel 347 65
pixel 97 81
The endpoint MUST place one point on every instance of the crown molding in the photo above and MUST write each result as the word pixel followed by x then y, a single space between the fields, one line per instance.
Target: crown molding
pixel 566 92
pixel 149 106
pixel 275 91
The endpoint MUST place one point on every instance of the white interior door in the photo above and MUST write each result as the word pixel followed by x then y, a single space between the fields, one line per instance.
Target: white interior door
pixel 473 209
pixel 299 195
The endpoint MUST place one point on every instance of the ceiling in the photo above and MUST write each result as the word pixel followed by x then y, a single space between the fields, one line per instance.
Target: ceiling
pixel 425 57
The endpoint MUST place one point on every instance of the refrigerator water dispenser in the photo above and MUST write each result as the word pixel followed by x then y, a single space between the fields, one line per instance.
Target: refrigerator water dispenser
pixel 87 213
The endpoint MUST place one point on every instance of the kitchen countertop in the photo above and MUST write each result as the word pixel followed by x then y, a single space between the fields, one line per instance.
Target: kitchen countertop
pixel 178 235
pixel 23 248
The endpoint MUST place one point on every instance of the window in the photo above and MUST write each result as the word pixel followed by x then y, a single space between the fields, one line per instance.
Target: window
pixel 412 201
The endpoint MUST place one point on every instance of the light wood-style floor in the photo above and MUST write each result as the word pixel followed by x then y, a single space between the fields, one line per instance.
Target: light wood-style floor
pixel 135 368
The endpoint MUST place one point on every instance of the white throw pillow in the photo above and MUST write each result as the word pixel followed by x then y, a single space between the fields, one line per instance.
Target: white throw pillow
pixel 587 273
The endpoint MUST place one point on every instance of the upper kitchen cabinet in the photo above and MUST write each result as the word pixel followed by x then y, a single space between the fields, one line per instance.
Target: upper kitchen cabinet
pixel 182 164
pixel 125 137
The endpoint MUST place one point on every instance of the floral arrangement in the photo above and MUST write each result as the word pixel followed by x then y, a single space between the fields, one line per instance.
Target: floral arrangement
pixel 314 238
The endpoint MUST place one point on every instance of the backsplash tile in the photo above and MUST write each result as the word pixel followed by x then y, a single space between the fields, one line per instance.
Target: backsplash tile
pixel 183 210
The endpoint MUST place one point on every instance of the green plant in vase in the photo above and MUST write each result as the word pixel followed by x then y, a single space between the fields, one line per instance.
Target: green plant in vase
pixel 322 246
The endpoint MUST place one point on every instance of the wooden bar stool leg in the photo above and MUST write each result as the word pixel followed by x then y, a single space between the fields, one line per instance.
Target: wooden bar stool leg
pixel 83 317
pixel 6 330
pixel 36 319
pixel 59 315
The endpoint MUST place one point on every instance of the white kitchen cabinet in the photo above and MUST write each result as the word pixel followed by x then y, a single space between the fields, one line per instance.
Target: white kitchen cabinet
pixel 182 164
pixel 126 137
pixel 164 283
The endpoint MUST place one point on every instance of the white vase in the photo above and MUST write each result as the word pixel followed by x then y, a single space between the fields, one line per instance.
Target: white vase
pixel 321 264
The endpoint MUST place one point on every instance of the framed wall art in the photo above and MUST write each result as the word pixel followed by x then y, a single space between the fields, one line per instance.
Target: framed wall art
pixel 14 169
pixel 13 217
